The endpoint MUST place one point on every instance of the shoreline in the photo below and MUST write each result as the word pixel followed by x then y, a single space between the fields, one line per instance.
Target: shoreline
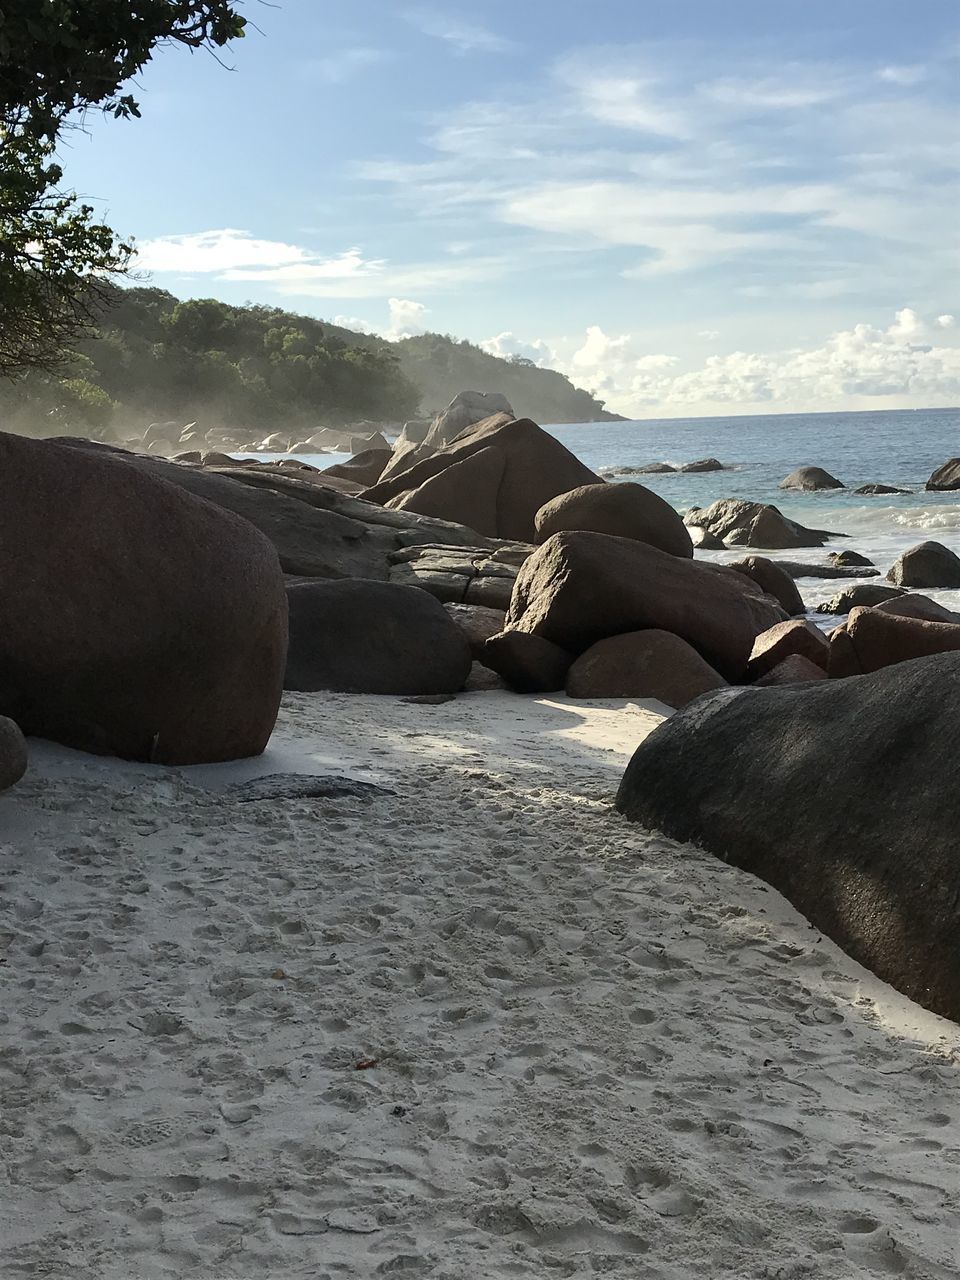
pixel 596 1050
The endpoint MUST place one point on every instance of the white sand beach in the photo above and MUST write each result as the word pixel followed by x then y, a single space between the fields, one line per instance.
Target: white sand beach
pixel 473 1026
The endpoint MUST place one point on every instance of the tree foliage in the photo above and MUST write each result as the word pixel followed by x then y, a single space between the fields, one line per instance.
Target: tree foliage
pixel 253 370
pixel 249 370
pixel 59 58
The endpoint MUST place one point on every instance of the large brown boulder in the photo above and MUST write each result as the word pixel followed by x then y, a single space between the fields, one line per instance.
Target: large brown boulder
pixel 755 524
pixel 946 477
pixel 622 510
pixel 470 488
pixel 811 479
pixel 536 467
pixel 642 664
pixel 909 605
pixel 579 588
pixel 372 637
pixel 929 564
pixel 13 753
pixel 785 639
pixel 138 621
pixel 774 580
pixel 796 785
pixel 870 640
pixel 528 663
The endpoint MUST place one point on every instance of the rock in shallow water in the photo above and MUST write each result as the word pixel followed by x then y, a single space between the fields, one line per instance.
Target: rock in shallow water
pixel 930 564
pixel 811 479
pixel 756 524
pixel 794 785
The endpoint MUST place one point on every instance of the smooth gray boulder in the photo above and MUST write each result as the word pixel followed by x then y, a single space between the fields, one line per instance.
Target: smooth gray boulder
pixel 810 480
pixel 946 477
pixel 840 794
pixel 755 524
pixel 464 410
pixel 622 510
pixel 929 564
pixel 863 595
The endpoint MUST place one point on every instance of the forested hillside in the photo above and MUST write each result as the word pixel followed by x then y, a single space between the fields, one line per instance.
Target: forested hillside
pixel 157 358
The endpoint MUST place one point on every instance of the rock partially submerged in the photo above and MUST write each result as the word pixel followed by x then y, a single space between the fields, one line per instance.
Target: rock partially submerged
pixel 930 564
pixel 946 477
pixel 849 560
pixel 876 490
pixel 794 785
pixel 755 524
pixel 797 570
pixel 811 480
pixel 863 594
pixel 701 464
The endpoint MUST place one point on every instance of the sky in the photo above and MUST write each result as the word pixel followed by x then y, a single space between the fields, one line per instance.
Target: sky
pixel 707 207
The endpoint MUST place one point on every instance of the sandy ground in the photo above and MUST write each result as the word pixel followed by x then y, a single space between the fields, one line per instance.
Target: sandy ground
pixel 595 1052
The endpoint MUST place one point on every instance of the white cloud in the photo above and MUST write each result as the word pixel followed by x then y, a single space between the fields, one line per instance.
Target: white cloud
pixel 292 270
pixel 902 75
pixel 221 250
pixel 406 318
pixel 946 321
pixel 794 87
pixel 344 64
pixel 508 346
pixel 711 335
pixel 628 101
pixel 646 147
pixel 863 365
pixel 466 37
pixel 681 232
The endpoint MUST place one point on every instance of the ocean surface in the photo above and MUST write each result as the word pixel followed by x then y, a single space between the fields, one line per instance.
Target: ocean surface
pixel 900 448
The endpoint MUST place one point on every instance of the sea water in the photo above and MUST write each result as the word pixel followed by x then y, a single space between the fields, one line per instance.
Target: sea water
pixel 900 448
